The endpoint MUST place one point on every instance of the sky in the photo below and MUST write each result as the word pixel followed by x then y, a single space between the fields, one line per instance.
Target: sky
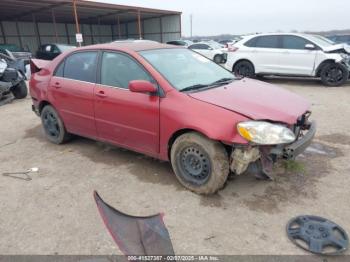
pixel 212 17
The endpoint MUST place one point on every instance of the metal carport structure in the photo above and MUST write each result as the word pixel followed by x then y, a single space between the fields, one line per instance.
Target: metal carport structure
pixel 30 23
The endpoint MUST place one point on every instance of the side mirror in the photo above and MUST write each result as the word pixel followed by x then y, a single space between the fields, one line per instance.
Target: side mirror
pixel 310 47
pixel 142 86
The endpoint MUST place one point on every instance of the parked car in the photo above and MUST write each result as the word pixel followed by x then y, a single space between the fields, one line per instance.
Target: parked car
pixel 340 39
pixel 226 43
pixel 229 42
pixel 180 42
pixel 173 104
pixel 50 51
pixel 12 76
pixel 290 55
pixel 17 52
pixel 211 50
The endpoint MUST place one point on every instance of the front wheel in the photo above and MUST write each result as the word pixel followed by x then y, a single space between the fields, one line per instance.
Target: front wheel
pixel 200 164
pixel 334 74
pixel 53 126
pixel 244 69
pixel 218 59
pixel 20 91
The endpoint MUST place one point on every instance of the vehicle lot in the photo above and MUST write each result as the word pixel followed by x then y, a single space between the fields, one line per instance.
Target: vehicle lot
pixel 55 211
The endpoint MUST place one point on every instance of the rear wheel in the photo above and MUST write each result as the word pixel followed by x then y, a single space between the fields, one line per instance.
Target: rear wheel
pixel 53 126
pixel 20 91
pixel 334 74
pixel 244 69
pixel 199 163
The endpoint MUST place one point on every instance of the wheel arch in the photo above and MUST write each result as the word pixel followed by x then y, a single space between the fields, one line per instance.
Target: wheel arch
pixel 320 67
pixel 178 133
pixel 182 131
pixel 42 104
pixel 242 60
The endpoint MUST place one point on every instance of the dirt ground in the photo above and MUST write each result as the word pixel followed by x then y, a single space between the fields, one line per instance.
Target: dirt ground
pixel 55 213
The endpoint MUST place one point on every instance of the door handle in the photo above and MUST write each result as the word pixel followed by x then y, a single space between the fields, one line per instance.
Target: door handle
pixel 101 94
pixel 57 85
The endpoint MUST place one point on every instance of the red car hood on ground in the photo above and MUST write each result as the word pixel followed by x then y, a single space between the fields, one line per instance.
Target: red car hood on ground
pixel 256 100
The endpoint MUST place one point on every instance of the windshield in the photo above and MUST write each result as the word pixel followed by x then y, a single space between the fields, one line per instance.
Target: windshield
pixel 320 40
pixel 184 68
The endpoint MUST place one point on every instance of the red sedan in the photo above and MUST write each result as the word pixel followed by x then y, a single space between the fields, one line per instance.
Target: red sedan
pixel 173 104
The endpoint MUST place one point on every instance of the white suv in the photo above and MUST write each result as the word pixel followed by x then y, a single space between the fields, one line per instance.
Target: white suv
pixel 290 55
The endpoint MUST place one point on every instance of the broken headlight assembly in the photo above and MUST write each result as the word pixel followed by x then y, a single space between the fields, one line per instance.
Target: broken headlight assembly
pixel 265 133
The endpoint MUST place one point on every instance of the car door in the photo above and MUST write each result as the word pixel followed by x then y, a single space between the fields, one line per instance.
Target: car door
pixel 264 53
pixel 296 59
pixel 72 92
pixel 123 117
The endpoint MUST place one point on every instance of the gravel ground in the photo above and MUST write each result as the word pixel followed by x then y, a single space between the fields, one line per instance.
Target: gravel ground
pixel 55 213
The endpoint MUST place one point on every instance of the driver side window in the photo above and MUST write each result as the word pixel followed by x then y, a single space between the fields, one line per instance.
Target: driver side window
pixel 117 70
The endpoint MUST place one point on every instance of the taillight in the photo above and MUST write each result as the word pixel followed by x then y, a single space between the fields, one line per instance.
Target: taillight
pixel 232 49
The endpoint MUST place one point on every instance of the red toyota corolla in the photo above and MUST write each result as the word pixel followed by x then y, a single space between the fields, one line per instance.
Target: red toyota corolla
pixel 173 104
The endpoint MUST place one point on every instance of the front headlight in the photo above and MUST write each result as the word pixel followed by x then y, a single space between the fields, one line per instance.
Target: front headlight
pixel 344 56
pixel 265 133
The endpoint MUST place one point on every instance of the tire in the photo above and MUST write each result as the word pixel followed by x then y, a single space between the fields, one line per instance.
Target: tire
pixel 260 77
pixel 218 59
pixel 334 74
pixel 244 69
pixel 20 91
pixel 53 126
pixel 200 164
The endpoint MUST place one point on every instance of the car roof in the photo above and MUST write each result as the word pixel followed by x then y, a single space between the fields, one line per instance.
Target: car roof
pixel 134 45
pixel 267 34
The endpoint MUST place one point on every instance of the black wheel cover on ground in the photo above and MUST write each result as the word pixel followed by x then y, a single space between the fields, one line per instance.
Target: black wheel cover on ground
pixel 317 233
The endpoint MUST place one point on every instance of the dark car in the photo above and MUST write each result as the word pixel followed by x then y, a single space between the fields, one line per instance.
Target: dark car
pixel 340 39
pixel 17 52
pixel 50 51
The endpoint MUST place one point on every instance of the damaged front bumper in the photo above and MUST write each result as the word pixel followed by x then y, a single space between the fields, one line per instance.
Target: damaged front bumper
pixel 242 157
pixel 292 150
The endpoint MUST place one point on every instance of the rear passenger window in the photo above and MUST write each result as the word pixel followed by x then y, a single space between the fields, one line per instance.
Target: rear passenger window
pixel 293 42
pixel 59 70
pixel 118 70
pixel 251 42
pixel 270 41
pixel 81 66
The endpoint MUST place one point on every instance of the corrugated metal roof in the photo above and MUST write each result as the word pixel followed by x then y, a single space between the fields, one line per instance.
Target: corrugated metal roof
pixel 88 11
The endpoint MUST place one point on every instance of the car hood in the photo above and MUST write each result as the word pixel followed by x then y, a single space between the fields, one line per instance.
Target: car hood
pixel 256 100
pixel 337 47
